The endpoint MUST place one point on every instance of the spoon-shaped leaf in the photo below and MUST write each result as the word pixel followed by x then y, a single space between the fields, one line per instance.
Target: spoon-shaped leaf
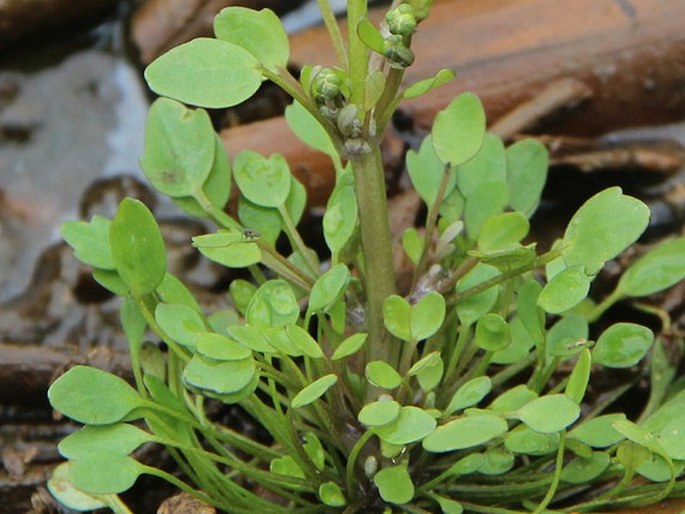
pixel 313 391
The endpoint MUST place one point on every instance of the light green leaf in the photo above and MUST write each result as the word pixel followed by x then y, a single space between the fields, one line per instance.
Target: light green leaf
pixel 349 346
pixel 602 228
pixel 340 218
pixel 469 394
pixel 427 171
pixel 471 309
pixel 486 201
pixel 503 231
pixel 313 391
pixel 92 396
pixel 331 494
pixel 411 425
pixel 383 375
pixel 658 269
pixel 223 377
pixel 261 33
pixel 513 399
pixel 488 165
pixel 379 413
pixel 286 466
pixel 598 432
pixel 304 342
pixel 397 317
pixel 427 316
pixel 263 181
pixel 465 432
pixel 527 162
pixel 137 246
pixel 329 288
pixel 424 86
pixel 566 290
pixel 583 471
pixel 181 323
pixel 370 36
pixel 104 472
pixel 622 345
pixel 459 129
pixel 221 348
pixel 205 72
pixel 231 249
pixel 536 414
pixel 525 441
pixel 394 484
pixel 180 147
pixel 67 495
pixel 121 438
pixel 492 332
pixel 273 305
pixel 306 127
pixel 413 244
pixel 579 378
pixel 90 241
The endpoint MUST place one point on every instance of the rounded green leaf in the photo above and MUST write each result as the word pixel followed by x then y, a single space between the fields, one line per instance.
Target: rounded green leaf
pixel 90 241
pixel 488 165
pixel 486 201
pixel 340 218
pixel 583 471
pixel 349 346
pixel 286 466
pixel 383 375
pixel 370 36
pixel 672 438
pixel 513 399
pixel 273 305
pixel 527 163
pixel 266 221
pixel 137 247
pixel 598 432
pixel 397 317
pixel 492 332
pixel 503 231
pixel 121 438
pixel 427 171
pixel 223 377
pixel 313 391
pixel 424 86
pixel 412 424
pixel 331 494
pixel 427 316
pixel 263 181
pixel 622 345
pixel 566 290
pixel 242 292
pixel 394 484
pixel 261 33
pixel 469 394
pixel 523 440
pixel 221 348
pixel 538 413
pixel 448 506
pixel 459 129
pixel 62 489
pixel 179 148
pixel 580 376
pixel 602 228
pixel 92 396
pixel 104 472
pixel 181 323
pixel 655 271
pixel 229 248
pixel 471 309
pixel 379 413
pixel 497 461
pixel 304 342
pixel 205 72
pixel 465 432
pixel 566 336
pixel 329 288
pixel 305 126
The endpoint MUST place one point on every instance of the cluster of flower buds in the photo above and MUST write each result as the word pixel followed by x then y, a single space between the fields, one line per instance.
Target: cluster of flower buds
pixel 401 22
pixel 327 88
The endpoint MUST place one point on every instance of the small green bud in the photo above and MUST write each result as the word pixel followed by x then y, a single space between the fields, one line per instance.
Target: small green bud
pixel 348 123
pixel 421 9
pixel 370 466
pixel 326 85
pixel 401 21
pixel 397 53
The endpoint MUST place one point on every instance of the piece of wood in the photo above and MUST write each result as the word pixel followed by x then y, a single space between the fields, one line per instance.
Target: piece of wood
pixel 624 58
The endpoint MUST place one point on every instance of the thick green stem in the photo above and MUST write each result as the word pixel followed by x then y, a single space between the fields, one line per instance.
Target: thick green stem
pixel 359 54
pixel 379 276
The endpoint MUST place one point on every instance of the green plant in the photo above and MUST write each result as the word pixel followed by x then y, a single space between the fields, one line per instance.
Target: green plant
pixel 463 395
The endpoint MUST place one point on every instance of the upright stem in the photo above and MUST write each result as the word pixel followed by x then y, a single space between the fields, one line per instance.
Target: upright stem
pixel 359 54
pixel 379 276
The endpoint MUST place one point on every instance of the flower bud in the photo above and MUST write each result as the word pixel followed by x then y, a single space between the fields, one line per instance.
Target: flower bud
pixel 326 85
pixel 401 21
pixel 398 54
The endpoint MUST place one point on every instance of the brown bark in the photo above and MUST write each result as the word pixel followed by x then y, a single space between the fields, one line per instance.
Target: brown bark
pixel 163 24
pixel 20 18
